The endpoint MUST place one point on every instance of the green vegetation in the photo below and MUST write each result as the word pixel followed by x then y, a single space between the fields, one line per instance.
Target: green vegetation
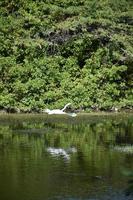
pixel 86 133
pixel 59 51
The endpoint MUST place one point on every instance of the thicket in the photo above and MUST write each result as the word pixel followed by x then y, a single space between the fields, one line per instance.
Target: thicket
pixel 57 51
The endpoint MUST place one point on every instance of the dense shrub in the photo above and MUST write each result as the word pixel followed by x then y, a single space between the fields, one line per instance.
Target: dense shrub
pixel 53 52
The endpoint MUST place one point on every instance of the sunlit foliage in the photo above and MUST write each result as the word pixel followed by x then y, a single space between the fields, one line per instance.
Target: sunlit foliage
pixel 56 51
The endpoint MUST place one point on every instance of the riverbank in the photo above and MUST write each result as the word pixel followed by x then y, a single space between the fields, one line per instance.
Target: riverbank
pixel 79 112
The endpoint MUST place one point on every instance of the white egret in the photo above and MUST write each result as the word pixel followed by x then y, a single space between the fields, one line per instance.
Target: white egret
pixel 60 112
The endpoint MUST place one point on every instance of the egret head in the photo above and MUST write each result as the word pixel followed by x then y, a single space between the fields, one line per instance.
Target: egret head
pixel 68 104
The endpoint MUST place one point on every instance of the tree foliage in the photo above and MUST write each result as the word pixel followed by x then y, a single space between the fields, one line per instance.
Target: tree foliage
pixel 55 51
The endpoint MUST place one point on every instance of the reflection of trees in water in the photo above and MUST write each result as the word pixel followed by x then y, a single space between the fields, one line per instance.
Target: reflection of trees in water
pixel 29 140
pixel 96 132
pixel 129 189
pixel 84 135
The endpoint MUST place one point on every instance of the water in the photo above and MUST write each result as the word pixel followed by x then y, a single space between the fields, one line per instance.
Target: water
pixel 62 158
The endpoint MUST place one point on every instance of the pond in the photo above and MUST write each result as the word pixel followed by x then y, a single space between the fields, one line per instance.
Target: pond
pixel 89 157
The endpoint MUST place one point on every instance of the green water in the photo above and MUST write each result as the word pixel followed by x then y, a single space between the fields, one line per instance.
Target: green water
pixel 62 158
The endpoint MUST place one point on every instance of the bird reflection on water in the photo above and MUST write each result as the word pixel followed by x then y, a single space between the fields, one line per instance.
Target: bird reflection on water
pixel 61 152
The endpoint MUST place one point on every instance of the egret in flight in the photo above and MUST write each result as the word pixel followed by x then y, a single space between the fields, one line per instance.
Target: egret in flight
pixel 60 112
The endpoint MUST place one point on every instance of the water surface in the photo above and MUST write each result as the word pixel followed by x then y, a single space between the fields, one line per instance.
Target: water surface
pixel 62 158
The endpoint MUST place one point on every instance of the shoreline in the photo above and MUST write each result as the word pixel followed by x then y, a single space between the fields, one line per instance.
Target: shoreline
pixel 91 112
